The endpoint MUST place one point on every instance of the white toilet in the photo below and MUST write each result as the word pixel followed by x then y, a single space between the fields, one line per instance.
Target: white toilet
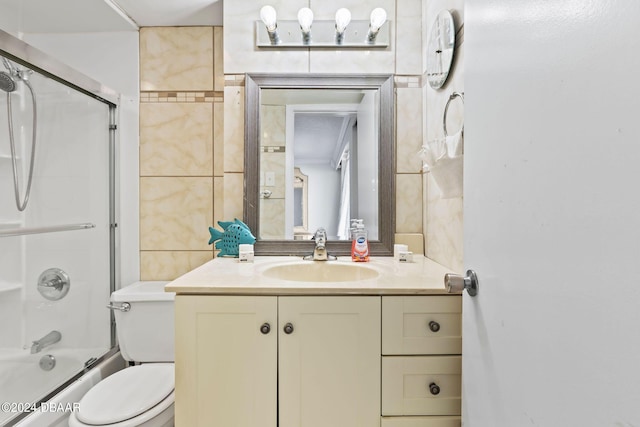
pixel 140 395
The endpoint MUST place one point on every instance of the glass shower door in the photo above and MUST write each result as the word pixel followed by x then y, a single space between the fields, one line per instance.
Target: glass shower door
pixel 55 268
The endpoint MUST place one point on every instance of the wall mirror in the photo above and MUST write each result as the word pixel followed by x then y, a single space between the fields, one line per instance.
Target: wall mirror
pixel 319 151
pixel 440 49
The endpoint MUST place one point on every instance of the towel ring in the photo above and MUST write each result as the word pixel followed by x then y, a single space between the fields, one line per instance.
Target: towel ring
pixel 446 109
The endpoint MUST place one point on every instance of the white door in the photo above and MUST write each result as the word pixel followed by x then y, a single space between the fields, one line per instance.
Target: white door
pixel 552 213
pixel 329 361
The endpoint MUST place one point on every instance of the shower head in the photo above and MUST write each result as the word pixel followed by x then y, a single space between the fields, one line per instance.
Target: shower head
pixel 7 83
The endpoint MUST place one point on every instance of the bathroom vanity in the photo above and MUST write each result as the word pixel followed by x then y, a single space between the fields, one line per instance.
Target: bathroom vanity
pixel 289 343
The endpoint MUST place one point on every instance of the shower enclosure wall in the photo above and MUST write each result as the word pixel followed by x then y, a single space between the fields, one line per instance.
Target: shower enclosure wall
pixel 64 238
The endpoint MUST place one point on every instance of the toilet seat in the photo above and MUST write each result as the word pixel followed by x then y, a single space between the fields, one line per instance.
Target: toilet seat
pixel 129 397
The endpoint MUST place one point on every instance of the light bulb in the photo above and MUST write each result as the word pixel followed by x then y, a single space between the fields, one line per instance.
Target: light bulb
pixel 343 17
pixel 305 19
pixel 378 18
pixel 268 16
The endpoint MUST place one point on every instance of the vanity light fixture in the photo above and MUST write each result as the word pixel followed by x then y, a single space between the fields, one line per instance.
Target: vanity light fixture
pixel 377 19
pixel 343 17
pixel 269 18
pixel 305 19
pixel 363 34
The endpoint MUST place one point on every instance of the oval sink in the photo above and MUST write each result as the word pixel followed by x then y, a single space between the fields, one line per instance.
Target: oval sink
pixel 320 272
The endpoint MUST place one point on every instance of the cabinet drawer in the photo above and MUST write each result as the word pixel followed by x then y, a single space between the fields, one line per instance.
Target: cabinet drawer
pixel 407 381
pixel 420 422
pixel 422 325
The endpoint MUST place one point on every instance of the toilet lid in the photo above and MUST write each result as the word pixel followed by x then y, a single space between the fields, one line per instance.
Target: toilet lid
pixel 127 393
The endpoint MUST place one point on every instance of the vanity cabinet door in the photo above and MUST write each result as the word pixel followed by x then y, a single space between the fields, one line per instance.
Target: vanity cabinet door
pixel 329 361
pixel 226 361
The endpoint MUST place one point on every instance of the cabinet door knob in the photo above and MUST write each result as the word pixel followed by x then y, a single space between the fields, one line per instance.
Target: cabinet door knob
pixel 434 389
pixel 265 328
pixel 434 326
pixel 288 328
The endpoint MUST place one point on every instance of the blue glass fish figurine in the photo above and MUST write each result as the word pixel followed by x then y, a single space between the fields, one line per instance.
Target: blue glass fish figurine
pixel 235 233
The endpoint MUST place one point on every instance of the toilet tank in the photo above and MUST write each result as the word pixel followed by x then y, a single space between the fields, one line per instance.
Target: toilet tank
pixel 145 332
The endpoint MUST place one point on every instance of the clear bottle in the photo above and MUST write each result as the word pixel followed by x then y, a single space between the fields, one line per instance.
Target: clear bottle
pixel 360 243
pixel 352 228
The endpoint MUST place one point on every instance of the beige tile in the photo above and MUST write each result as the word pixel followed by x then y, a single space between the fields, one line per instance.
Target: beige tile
pixel 414 241
pixel 168 265
pixel 233 196
pixel 218 55
pixel 218 200
pixel 409 138
pixel 176 58
pixel 274 162
pixel 273 130
pixel 408 203
pixel 176 139
pixel 272 219
pixel 444 228
pixel 409 48
pixel 218 139
pixel 175 213
pixel 233 129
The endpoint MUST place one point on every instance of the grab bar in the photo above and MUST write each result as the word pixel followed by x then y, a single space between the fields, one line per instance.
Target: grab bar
pixel 39 230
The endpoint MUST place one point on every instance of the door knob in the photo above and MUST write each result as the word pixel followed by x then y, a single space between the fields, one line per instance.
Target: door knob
pixel 265 328
pixel 457 283
pixel 288 328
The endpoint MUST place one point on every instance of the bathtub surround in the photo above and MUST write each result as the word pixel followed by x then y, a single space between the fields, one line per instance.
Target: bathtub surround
pixel 180 153
pixel 71 186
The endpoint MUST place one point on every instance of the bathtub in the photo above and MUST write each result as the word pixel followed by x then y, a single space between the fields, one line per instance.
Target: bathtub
pixel 21 378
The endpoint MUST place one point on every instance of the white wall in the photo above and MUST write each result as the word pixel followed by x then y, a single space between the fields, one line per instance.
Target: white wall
pixel 112 59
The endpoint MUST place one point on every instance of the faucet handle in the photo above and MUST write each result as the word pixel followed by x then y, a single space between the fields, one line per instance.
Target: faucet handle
pixel 321 233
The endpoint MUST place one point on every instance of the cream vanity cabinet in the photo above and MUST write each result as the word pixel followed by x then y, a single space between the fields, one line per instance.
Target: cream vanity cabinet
pixel 421 362
pixel 318 361
pixel 286 361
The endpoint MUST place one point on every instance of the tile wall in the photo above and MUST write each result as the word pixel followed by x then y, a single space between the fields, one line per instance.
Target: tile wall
pixel 181 154
pixel 192 126
pixel 442 217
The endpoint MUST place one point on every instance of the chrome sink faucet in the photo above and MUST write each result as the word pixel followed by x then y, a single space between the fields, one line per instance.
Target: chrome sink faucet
pixel 47 340
pixel 320 251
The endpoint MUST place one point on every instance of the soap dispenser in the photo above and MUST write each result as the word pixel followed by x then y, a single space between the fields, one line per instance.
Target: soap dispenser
pixel 359 243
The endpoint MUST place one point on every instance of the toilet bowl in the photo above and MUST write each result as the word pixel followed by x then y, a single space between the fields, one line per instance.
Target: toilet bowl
pixel 141 395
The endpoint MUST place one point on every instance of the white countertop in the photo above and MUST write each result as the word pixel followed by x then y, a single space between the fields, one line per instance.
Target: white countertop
pixel 228 276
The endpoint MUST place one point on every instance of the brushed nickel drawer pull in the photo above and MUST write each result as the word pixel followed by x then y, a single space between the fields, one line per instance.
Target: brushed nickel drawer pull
pixel 288 328
pixel 434 326
pixel 434 389
pixel 265 328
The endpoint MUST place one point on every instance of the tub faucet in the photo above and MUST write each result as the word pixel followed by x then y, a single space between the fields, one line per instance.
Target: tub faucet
pixel 320 251
pixel 47 340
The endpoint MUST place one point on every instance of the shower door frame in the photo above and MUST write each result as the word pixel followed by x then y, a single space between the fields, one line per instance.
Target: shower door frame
pixel 36 60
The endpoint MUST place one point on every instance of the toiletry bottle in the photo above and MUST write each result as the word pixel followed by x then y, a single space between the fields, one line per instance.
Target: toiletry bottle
pixel 360 244
pixel 352 228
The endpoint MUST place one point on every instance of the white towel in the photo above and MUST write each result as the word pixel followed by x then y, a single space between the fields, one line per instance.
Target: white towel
pixel 443 159
pixel 454 145
pixel 433 151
